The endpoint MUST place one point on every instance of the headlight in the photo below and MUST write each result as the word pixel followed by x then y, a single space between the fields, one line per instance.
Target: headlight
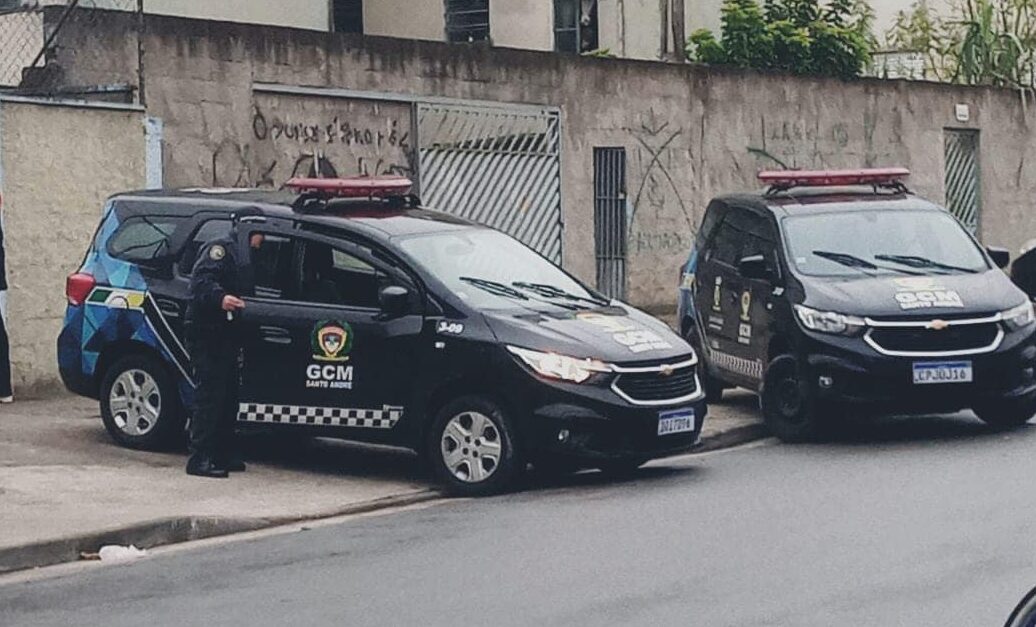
pixel 1020 316
pixel 829 321
pixel 561 367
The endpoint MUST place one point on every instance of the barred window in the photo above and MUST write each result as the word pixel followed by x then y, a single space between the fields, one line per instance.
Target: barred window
pixel 575 25
pixel 467 20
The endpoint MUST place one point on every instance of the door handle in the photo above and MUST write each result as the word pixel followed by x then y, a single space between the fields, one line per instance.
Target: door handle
pixel 275 335
pixel 168 307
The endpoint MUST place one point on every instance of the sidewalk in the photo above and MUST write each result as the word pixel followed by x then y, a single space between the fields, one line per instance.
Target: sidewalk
pixel 65 487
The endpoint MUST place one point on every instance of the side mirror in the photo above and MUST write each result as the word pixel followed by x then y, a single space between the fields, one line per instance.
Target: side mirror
pixel 1000 256
pixel 394 300
pixel 753 267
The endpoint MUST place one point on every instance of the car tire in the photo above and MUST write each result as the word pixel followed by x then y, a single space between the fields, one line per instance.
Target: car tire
pixel 621 467
pixel 140 404
pixel 789 407
pixel 473 447
pixel 1007 414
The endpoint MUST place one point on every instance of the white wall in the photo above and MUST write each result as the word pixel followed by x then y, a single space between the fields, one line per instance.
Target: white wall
pixel 525 24
pixel 409 19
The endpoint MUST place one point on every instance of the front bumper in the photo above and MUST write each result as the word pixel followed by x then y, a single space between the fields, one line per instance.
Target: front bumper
pixel 593 423
pixel 849 371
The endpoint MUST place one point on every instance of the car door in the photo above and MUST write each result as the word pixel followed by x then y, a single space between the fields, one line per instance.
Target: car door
pixel 718 292
pixel 755 296
pixel 317 348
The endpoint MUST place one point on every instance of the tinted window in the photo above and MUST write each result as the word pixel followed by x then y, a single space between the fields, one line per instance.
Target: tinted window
pixel 489 269
pixel 334 277
pixel 143 238
pixel 727 244
pixel 272 268
pixel 210 230
pixel 880 242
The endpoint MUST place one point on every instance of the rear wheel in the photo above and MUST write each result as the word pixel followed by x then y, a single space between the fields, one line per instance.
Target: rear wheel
pixel 473 447
pixel 1006 414
pixel 140 405
pixel 789 407
pixel 713 387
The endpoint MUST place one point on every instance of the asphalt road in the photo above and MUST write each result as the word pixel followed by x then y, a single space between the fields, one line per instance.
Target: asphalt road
pixel 907 522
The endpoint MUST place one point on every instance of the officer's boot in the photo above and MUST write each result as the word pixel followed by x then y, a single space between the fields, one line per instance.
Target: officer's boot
pixel 203 466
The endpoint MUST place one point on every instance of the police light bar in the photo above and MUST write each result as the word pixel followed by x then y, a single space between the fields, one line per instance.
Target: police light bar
pixel 354 187
pixel 786 179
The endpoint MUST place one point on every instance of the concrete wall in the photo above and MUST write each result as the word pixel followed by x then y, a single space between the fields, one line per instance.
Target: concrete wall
pixel 412 19
pixel 527 24
pixel 689 132
pixel 58 165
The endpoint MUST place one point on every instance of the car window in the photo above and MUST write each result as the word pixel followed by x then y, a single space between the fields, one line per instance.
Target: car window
pixel 727 244
pixel 331 276
pixel 143 238
pixel 272 267
pixel 209 230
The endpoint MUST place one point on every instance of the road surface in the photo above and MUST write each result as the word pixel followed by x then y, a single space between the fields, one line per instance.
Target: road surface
pixel 912 522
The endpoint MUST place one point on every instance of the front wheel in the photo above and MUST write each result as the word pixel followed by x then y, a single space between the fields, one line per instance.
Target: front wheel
pixel 473 447
pixel 1006 414
pixel 789 407
pixel 140 405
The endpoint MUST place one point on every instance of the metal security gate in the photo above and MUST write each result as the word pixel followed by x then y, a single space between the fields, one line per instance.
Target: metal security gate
pixel 610 220
pixel 497 165
pixel 963 188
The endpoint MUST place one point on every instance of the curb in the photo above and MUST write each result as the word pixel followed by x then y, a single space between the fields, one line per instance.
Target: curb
pixel 734 437
pixel 177 529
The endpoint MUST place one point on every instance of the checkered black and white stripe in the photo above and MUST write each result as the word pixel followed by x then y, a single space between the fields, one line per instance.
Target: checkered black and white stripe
pixel 747 367
pixel 384 418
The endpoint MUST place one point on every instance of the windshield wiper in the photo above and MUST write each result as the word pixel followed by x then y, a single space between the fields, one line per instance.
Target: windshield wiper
pixel 852 261
pixel 915 261
pixel 494 287
pixel 553 291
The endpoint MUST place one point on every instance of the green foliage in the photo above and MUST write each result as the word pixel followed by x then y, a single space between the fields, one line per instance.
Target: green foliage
pixel 831 38
pixel 982 42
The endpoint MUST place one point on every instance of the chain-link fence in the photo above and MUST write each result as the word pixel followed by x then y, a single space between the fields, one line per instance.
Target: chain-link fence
pixel 35 34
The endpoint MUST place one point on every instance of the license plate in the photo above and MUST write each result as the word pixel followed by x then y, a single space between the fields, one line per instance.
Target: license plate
pixel 675 421
pixel 926 372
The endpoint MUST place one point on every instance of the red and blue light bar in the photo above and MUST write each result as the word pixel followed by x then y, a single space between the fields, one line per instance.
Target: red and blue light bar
pixel 354 187
pixel 785 179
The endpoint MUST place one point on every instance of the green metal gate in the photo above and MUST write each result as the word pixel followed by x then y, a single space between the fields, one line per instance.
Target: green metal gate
pixel 963 183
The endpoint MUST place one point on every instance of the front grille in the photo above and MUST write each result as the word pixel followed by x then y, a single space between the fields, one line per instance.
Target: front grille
pixel 956 338
pixel 654 386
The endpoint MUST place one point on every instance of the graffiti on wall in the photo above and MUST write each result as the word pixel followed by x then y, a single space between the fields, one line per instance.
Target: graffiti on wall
pixel 661 171
pixel 792 143
pixel 291 136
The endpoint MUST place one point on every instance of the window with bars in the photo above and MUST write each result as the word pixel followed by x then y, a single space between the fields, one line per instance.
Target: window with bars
pixel 467 20
pixel 575 25
pixel 348 16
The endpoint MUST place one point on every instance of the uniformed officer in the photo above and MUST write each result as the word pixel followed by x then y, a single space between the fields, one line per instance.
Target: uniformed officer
pixel 213 340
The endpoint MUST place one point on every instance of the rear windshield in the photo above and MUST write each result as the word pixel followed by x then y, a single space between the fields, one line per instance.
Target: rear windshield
pixel 880 242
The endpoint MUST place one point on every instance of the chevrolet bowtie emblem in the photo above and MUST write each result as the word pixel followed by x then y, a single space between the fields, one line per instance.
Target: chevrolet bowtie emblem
pixel 937 325
pixel 666 370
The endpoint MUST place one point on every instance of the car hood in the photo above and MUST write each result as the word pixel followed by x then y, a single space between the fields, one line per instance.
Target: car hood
pixel 985 292
pixel 616 333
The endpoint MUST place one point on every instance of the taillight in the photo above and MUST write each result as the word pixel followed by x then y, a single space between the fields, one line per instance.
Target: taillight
pixel 78 286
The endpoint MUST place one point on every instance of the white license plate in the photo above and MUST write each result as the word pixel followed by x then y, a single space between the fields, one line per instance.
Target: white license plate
pixel 675 421
pixel 926 372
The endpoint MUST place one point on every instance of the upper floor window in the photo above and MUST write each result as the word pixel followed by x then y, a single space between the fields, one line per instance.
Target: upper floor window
pixel 467 20
pixel 348 16
pixel 575 25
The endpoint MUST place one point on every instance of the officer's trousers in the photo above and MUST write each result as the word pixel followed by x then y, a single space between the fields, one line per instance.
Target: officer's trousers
pixel 5 352
pixel 214 359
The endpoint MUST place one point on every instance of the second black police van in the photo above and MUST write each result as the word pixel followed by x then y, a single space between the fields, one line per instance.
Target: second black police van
pixel 834 291
pixel 369 318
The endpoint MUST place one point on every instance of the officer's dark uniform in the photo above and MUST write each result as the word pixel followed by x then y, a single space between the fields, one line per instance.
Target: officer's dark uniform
pixel 214 346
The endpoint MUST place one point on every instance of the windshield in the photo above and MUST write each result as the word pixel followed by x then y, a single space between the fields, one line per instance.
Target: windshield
pixel 880 242
pixel 491 270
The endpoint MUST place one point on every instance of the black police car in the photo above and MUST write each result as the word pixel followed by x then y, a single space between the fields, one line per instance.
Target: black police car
pixel 841 290
pixel 372 319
